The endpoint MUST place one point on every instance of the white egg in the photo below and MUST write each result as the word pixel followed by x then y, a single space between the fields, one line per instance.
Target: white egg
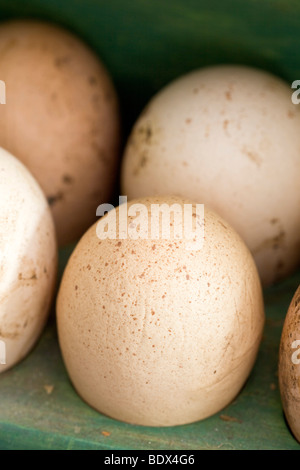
pixel 28 260
pixel 229 137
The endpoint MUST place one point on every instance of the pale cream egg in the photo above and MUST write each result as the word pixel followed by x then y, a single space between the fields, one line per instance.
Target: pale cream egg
pixel 155 330
pixel 227 136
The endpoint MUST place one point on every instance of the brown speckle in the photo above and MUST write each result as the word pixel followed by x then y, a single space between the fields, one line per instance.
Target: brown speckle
pixel 273 242
pixel 31 277
pixel 253 156
pixel 278 240
pixel 146 132
pixel 59 61
pixel 188 120
pixel 67 179
pixel 228 95
pixel 141 164
pixel 274 221
pixel 290 114
pixel 187 276
pixel 223 225
pixel 55 198
pixel 143 161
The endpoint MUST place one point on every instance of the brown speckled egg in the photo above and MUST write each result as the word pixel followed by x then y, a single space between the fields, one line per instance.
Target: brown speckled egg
pixel 289 365
pixel 28 261
pixel 154 332
pixel 227 136
pixel 60 119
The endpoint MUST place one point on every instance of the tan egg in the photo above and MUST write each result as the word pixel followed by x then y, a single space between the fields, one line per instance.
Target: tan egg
pixel 28 261
pixel 61 119
pixel 289 366
pixel 159 331
pixel 227 136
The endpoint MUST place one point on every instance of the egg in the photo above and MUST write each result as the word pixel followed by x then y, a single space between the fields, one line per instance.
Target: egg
pixel 289 365
pixel 28 261
pixel 61 119
pixel 155 328
pixel 227 136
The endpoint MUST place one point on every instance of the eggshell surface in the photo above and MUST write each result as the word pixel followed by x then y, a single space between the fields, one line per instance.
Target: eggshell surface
pixel 153 332
pixel 227 136
pixel 28 260
pixel 289 365
pixel 61 119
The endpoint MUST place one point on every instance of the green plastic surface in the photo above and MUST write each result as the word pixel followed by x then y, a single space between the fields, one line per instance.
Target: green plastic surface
pixel 145 44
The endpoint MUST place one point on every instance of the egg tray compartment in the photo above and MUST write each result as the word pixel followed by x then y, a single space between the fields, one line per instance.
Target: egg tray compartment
pixel 39 408
pixel 145 45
